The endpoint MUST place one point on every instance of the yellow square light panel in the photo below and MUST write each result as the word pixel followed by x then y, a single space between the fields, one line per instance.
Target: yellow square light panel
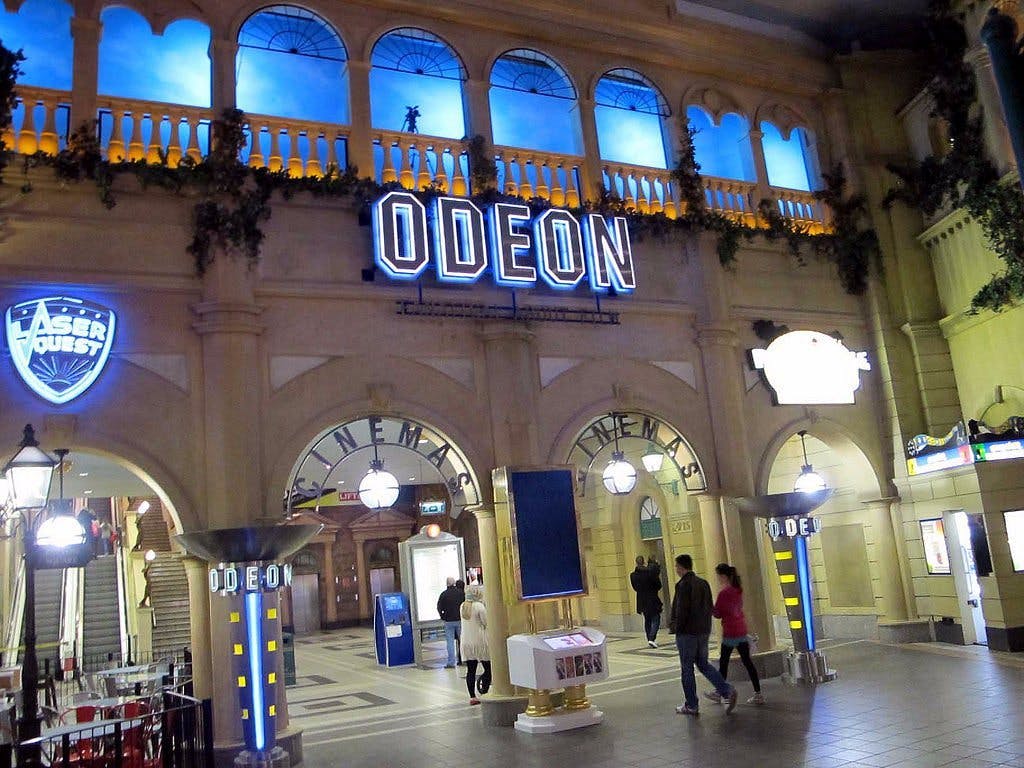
pixel 272 711
pixel 272 645
pixel 271 613
pixel 784 555
pixel 238 649
pixel 796 625
pixel 235 617
pixel 787 578
pixel 245 714
pixel 241 681
pixel 272 678
pixel 792 601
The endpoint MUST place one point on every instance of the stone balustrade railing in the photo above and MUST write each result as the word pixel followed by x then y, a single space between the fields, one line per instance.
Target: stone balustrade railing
pixel 416 161
pixel 732 197
pixel 302 148
pixel 528 173
pixel 40 121
pixel 802 208
pixel 132 130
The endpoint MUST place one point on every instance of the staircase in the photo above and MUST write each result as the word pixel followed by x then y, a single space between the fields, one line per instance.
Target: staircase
pixel 101 614
pixel 168 592
pixel 49 591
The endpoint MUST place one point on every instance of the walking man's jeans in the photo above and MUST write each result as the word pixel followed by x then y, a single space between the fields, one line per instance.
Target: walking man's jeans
pixel 693 651
pixel 652 623
pixel 452 631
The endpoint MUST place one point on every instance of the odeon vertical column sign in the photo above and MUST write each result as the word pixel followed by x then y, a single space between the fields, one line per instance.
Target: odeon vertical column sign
pixel 789 543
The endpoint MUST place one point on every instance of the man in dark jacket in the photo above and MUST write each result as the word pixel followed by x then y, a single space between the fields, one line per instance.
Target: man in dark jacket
pixel 691 624
pixel 647 584
pixel 449 605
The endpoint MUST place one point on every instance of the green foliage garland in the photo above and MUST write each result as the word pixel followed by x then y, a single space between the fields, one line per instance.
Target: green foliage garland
pixel 964 177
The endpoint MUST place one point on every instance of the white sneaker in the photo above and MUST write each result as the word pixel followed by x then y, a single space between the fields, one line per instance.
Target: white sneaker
pixel 713 696
pixel 757 698
pixel 651 644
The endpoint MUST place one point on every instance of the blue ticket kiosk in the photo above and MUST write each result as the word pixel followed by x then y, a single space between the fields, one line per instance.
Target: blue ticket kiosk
pixel 392 629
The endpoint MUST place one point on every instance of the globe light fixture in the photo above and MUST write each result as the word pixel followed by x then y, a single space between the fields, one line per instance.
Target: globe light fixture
pixel 30 473
pixel 143 508
pixel 150 555
pixel 653 459
pixel 619 476
pixel 809 481
pixel 60 531
pixel 379 488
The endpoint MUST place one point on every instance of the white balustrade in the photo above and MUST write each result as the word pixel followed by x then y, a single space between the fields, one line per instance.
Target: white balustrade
pixel 299 147
pixel 416 161
pixel 528 173
pixel 802 208
pixel 131 130
pixel 40 121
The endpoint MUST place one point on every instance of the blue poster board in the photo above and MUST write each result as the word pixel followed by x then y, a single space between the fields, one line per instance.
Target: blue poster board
pixel 392 629
pixel 543 506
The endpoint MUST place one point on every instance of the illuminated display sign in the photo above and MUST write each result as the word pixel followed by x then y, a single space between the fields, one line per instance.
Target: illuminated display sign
pixel 517 248
pixel 958 456
pixel 59 344
pixel 791 527
pixel 810 368
pixel 234 579
pixel 1000 451
pixel 936 553
pixel 1015 535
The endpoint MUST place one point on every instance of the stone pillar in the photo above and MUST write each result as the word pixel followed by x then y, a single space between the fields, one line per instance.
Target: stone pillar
pixel 762 191
pixel 478 109
pixel 363 580
pixel 723 372
pixel 935 376
pixel 223 56
pixel 85 70
pixel 227 321
pixel 330 589
pixel 592 181
pixel 196 571
pixel 497 615
pixel 712 529
pixel 997 136
pixel 890 561
pixel 360 137
pixel 903 554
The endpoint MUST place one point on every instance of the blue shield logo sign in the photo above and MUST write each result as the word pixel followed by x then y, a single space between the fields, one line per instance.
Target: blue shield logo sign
pixel 59 344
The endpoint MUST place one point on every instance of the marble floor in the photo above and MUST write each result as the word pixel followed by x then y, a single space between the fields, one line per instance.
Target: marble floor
pixel 919 706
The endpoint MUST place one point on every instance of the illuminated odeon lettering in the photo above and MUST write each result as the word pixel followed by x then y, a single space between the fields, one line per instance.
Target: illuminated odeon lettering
pixel 558 248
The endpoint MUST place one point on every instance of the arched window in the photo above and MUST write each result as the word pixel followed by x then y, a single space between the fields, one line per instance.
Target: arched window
pixel 533 104
pixel 630 113
pixel 722 150
pixel 173 67
pixel 791 161
pixel 42 30
pixel 413 69
pixel 291 63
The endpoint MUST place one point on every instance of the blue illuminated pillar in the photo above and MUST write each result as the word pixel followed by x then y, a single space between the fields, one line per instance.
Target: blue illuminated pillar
pixel 794 566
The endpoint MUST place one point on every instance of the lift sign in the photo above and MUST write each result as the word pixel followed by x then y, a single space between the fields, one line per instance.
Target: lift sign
pixel 234 579
pixel 516 247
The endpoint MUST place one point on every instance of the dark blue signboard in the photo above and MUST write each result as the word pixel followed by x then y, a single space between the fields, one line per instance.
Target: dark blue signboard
pixel 547 533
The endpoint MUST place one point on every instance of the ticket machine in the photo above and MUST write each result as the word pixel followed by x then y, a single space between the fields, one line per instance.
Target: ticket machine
pixel 560 659
pixel 392 629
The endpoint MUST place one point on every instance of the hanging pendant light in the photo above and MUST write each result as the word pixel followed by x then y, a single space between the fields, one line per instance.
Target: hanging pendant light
pixel 619 477
pixel 653 458
pixel 62 528
pixel 809 481
pixel 379 488
pixel 30 473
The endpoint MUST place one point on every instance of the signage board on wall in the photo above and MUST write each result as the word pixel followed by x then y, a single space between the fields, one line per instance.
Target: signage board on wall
pixel 1015 535
pixel 59 344
pixel 518 249
pixel 810 368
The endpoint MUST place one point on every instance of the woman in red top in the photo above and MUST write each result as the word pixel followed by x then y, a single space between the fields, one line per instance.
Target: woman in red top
pixel 729 608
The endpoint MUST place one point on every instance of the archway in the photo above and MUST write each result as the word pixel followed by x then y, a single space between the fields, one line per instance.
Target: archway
pixel 658 519
pixel 855 564
pixel 435 486
pixel 130 603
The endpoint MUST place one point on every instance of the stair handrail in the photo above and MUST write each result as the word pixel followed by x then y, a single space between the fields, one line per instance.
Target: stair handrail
pixel 122 594
pixel 72 609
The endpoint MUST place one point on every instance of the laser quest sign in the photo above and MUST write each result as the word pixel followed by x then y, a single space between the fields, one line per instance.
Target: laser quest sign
pixel 59 344
pixel 516 247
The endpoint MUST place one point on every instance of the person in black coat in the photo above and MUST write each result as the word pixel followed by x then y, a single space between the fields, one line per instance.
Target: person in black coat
pixel 646 582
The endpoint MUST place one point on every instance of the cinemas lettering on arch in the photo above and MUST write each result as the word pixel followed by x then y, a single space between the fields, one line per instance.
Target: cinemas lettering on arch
pixel 516 247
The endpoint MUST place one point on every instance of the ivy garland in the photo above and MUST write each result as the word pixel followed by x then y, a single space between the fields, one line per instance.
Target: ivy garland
pixel 964 177
pixel 233 200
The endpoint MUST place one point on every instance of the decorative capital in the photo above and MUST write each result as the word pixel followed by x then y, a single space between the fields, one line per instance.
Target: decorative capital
pixel 227 317
pixel 717 336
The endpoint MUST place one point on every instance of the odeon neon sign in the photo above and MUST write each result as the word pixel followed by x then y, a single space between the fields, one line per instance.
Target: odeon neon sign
pixel 519 249
pixel 59 344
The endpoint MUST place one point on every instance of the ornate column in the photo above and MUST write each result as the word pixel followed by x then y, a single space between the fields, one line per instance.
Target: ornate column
pixel 478 109
pixel 330 589
pixel 196 571
pixel 360 137
pixel 592 178
pixel 363 580
pixel 713 530
pixel 85 70
pixel 497 615
pixel 223 55
pixel 762 192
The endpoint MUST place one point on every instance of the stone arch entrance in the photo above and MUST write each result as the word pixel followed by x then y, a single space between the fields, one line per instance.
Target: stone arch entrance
pixel 657 520
pixel 437 484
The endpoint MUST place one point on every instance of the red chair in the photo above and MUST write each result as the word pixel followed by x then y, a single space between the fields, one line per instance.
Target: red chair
pixel 135 737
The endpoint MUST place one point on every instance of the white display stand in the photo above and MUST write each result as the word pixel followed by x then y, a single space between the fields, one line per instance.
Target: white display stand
pixel 426 563
pixel 557 660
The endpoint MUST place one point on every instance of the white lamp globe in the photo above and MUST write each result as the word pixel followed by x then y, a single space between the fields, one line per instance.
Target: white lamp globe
pixel 653 460
pixel 60 531
pixel 809 481
pixel 378 489
pixel 619 476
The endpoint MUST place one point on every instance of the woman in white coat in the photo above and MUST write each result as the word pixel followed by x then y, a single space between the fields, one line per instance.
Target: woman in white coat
pixel 474 642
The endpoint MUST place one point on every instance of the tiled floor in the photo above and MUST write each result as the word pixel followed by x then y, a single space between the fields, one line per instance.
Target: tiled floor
pixel 914 707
